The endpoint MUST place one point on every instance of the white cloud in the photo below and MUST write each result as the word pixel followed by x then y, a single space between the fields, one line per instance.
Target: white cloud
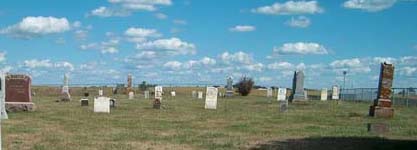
pixel 254 67
pixel 290 8
pixel 389 60
pixel 408 71
pixel 409 60
pixel 161 16
pixel 238 57
pixel 369 5
pixel 65 64
pixel 300 48
pixel 34 63
pixel 81 34
pixel 174 65
pixel 351 65
pixel 265 79
pixel 6 69
pixel 208 61
pixel 139 35
pixel 109 12
pixel 299 22
pixel 122 8
pixel 31 27
pixel 243 28
pixel 180 22
pixel 2 56
pixel 108 47
pixel 280 66
pixel 172 46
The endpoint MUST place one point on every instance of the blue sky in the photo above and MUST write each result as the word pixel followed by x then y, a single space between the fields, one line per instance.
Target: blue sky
pixel 202 42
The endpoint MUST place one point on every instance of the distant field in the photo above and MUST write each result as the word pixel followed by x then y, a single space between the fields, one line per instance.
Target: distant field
pixel 252 122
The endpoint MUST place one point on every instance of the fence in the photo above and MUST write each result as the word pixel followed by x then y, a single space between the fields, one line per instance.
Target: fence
pixel 399 96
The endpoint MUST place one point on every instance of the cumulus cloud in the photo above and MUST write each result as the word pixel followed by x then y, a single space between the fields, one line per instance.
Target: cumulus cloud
pixel 281 66
pixel 161 16
pixel 174 65
pixel 106 47
pixel 243 28
pixel 300 48
pixel 6 69
pixel 139 35
pixel 179 22
pixel 290 8
pixel 173 46
pixel 408 71
pixel 389 60
pixel 81 34
pixel 122 8
pixel 299 22
pixel 31 27
pixel 352 65
pixel 238 57
pixel 369 5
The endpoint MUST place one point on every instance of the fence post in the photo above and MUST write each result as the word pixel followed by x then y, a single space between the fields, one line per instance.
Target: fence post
pixel 407 97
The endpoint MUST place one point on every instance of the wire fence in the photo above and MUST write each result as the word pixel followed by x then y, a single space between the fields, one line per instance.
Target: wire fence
pixel 399 96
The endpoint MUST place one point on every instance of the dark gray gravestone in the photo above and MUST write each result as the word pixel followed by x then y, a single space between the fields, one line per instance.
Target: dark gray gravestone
pixel 298 87
pixel 84 102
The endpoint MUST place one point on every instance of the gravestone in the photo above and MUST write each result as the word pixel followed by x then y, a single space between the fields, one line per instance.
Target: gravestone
pixel 335 92
pixel 200 95
pixel 173 93
pixel 129 84
pixel 378 128
pixel 282 94
pixel 229 87
pixel 323 95
pixel 86 93
pixel 211 98
pixel 158 97
pixel 194 94
pixel 84 102
pixel 298 93
pixel 2 97
pixel 100 92
pixel 269 92
pixel 65 94
pixel 283 102
pixel 382 106
pixel 112 103
pixel 131 95
pixel 102 105
pixel 18 93
pixel 146 94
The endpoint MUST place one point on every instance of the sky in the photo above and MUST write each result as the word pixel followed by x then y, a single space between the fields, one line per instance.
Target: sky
pixel 183 42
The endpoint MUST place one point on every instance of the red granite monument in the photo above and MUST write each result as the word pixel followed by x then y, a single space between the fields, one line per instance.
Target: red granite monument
pixel 382 104
pixel 18 93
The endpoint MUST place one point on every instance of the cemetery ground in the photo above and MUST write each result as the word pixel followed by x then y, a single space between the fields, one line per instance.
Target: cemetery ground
pixel 252 122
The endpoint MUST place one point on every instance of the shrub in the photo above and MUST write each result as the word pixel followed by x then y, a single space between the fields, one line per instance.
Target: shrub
pixel 244 86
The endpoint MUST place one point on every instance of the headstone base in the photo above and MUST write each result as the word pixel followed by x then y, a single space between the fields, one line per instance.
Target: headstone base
pixel 381 112
pixel 65 97
pixel 156 104
pixel 20 106
pixel 299 98
pixel 283 106
pixel 378 128
pixel 84 102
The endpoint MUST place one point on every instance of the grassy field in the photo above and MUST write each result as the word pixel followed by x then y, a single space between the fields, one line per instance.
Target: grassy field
pixel 252 122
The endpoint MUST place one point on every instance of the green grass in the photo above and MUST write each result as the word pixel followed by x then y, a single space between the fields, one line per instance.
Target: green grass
pixel 238 123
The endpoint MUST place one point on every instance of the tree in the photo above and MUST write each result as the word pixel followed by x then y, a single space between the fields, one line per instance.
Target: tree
pixel 143 86
pixel 244 86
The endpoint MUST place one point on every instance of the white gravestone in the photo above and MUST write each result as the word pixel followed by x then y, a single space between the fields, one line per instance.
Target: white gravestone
pixel 211 98
pixel 323 94
pixel 173 94
pixel 100 92
pixel 102 105
pixel 269 92
pixel 200 95
pixel 305 95
pixel 158 92
pixel 335 93
pixel 282 94
pixel 131 95
pixel 146 94
pixel 194 94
